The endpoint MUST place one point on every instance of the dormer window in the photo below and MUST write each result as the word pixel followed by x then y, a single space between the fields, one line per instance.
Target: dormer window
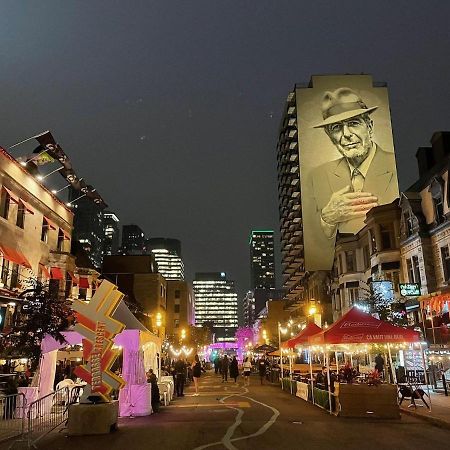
pixel 437 193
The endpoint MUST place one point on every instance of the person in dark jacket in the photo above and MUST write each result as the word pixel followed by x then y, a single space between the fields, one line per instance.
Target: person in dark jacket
pixel 262 369
pixel 224 365
pixel 196 372
pixel 180 374
pixel 234 369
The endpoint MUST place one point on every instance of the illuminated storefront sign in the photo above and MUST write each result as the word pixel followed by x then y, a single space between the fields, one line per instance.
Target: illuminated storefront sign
pixel 409 289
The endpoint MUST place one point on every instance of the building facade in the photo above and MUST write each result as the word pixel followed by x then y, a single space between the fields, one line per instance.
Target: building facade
pixel 262 260
pixel 145 289
pixel 216 304
pixel 167 254
pixel 88 227
pixel 180 309
pixel 133 240
pixel 111 229
pixel 35 237
pixel 289 201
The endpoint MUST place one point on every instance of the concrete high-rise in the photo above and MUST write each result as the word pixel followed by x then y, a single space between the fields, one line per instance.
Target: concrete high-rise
pixel 262 261
pixel 133 240
pixel 215 304
pixel 289 199
pixel 167 253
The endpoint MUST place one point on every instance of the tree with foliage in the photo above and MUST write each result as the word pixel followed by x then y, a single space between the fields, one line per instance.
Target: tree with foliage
pixel 39 313
pixel 376 302
pixel 199 336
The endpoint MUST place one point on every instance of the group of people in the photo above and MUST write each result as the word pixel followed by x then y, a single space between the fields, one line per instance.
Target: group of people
pixel 223 365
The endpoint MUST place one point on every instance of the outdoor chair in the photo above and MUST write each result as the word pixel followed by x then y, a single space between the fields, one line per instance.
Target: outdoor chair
pixel 164 393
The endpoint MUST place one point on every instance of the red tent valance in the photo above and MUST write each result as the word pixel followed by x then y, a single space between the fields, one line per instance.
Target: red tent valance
pixel 56 273
pixel 358 327
pixel 302 337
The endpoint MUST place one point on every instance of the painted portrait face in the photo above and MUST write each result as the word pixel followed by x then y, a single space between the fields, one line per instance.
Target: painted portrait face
pixel 352 137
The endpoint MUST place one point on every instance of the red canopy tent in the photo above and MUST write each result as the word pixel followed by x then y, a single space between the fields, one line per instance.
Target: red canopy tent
pixel 303 336
pixel 358 327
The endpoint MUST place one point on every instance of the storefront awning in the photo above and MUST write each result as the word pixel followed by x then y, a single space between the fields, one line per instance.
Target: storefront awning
pixel 15 256
pixel 56 273
pixel 14 197
pixel 27 207
pixel 50 224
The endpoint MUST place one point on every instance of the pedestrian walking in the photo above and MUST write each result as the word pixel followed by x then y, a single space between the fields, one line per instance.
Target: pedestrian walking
pixel 247 371
pixel 234 369
pixel 224 366
pixel 216 364
pixel 196 372
pixel 262 368
pixel 180 373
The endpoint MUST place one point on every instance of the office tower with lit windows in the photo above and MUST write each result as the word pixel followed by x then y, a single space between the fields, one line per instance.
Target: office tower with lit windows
pixel 111 241
pixel 88 228
pixel 215 304
pixel 167 253
pixel 133 240
pixel 262 260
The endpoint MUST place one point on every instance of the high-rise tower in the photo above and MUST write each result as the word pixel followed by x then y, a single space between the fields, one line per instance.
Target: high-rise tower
pixel 215 301
pixel 262 261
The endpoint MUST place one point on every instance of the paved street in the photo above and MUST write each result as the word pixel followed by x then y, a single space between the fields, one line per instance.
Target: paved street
pixel 227 415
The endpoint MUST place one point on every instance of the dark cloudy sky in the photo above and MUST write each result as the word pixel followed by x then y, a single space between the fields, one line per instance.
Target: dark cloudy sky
pixel 171 109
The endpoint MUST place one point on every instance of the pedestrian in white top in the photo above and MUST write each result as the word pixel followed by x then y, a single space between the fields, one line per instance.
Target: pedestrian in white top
pixel 247 371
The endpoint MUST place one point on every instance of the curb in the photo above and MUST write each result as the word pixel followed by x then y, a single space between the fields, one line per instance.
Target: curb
pixel 430 419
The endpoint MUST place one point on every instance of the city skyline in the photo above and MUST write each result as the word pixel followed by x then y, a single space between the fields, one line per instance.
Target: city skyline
pixel 186 126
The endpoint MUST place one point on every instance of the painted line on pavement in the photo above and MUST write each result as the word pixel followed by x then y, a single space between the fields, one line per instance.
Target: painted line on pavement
pixel 228 405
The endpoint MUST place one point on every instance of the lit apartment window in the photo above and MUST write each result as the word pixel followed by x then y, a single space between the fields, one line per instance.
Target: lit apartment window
pixel 20 220
pixel 5 201
pixel 445 256
pixel 176 323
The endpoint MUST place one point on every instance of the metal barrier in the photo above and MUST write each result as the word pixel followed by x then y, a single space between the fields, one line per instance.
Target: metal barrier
pixel 47 413
pixel 12 416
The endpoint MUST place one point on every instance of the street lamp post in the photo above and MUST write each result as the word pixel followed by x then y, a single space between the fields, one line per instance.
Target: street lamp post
pixel 281 354
pixel 158 325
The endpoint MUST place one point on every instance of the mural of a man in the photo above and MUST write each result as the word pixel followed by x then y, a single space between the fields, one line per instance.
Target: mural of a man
pixel 343 190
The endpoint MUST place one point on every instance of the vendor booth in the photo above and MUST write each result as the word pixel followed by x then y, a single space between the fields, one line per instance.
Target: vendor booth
pixel 345 388
pixel 139 350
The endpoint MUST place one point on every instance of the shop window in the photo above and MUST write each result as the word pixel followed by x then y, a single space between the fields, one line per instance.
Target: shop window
pixel 53 287
pixel 5 201
pixel 82 293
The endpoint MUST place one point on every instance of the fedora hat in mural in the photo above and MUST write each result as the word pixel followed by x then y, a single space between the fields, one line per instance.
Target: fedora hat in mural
pixel 342 104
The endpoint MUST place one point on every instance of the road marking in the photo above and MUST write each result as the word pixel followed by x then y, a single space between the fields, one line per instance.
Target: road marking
pixel 226 441
pixel 196 405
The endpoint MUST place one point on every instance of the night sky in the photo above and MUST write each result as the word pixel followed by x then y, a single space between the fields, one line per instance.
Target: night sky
pixel 171 109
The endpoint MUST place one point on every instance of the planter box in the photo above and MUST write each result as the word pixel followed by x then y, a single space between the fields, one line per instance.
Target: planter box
pixel 362 400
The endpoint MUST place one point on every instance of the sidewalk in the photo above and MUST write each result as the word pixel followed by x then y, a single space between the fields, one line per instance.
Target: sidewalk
pixel 440 410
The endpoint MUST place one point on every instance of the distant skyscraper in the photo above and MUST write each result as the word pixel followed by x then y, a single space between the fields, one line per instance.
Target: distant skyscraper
pixel 88 226
pixel 262 261
pixel 112 233
pixel 215 303
pixel 133 240
pixel 167 253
